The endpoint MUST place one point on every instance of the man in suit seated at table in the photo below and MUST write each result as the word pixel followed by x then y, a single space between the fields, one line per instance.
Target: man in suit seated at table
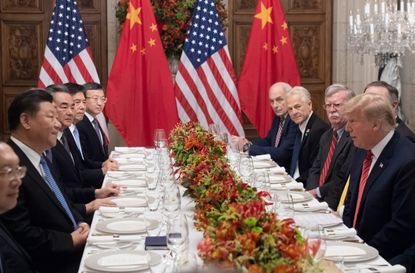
pixel 380 203
pixel 311 128
pixel 93 172
pixel 391 93
pixel 14 259
pixel 44 222
pixel 280 138
pixel 93 140
pixel 63 161
pixel 325 179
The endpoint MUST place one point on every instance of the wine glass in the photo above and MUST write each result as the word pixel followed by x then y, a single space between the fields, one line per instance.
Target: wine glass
pixel 316 244
pixel 246 167
pixel 177 237
pixel 171 200
pixel 160 139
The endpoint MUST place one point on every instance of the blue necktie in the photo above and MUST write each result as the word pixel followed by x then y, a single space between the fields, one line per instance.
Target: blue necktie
pixel 98 130
pixel 55 189
pixel 296 153
pixel 78 141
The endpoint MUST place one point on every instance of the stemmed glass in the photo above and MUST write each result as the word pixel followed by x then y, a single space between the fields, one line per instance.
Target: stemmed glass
pixel 246 167
pixel 160 140
pixel 316 244
pixel 171 200
pixel 177 237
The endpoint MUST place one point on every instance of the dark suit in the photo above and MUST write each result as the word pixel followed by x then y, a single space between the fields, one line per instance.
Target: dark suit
pixel 41 225
pixel 406 259
pixel 386 218
pixel 90 171
pixel 404 130
pixel 309 146
pixel 335 179
pixel 70 176
pixel 14 258
pixel 91 144
pixel 282 153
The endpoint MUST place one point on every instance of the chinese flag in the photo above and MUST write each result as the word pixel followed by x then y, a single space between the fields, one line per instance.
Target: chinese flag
pixel 140 87
pixel 269 59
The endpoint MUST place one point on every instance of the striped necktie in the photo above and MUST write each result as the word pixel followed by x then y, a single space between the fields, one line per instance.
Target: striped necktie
pixel 363 179
pixel 98 130
pixel 55 189
pixel 326 166
pixel 279 133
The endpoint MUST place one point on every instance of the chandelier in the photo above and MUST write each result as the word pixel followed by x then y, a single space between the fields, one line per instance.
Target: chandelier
pixel 384 28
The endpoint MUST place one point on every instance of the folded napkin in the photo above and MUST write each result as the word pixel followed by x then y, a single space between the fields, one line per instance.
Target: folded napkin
pixel 294 186
pixel 135 167
pixel 117 209
pixel 110 238
pixel 263 164
pixel 338 233
pixel 130 161
pixel 277 179
pixel 261 157
pixel 130 182
pixel 129 149
pixel 277 170
pixel 118 156
pixel 124 260
pixel 311 206
pixel 383 269
pixel 313 220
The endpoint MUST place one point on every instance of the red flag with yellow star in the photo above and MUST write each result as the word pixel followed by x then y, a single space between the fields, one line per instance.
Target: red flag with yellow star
pixel 269 59
pixel 140 87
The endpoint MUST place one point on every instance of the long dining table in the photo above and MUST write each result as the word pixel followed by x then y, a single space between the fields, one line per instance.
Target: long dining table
pixel 116 242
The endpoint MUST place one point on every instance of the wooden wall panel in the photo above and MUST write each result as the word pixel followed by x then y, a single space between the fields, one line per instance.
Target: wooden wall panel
pixel 310 25
pixel 24 26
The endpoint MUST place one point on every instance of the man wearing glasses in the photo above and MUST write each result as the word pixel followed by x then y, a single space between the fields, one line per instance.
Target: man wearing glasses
pixel 93 140
pixel 13 258
pixel 325 179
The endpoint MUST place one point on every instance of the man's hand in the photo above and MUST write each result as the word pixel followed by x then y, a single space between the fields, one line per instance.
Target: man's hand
pixel 94 205
pixel 109 165
pixel 237 143
pixel 107 191
pixel 80 235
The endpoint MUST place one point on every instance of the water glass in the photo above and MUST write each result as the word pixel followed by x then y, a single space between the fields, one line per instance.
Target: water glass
pixel 171 200
pixel 177 237
pixel 246 166
pixel 160 140
pixel 151 181
pixel 153 200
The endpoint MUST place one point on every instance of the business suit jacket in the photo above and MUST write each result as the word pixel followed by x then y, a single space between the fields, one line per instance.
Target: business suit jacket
pixel 14 258
pixel 90 171
pixel 91 145
pixel 70 176
pixel 404 130
pixel 40 224
pixel 333 186
pixel 281 154
pixel 386 218
pixel 407 259
pixel 310 145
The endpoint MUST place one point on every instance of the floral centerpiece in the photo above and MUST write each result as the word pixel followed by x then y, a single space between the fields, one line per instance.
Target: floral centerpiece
pixel 238 231
pixel 173 20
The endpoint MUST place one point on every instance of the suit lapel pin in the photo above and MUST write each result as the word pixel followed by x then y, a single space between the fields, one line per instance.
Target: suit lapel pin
pixel 381 165
pixel 306 132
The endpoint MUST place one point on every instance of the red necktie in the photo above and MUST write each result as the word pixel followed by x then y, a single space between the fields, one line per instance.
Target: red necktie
pixel 279 133
pixel 326 166
pixel 363 178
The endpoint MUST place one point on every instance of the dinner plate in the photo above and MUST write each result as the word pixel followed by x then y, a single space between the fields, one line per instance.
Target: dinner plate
pixel 126 225
pixel 137 201
pixel 122 261
pixel 314 220
pixel 297 197
pixel 351 252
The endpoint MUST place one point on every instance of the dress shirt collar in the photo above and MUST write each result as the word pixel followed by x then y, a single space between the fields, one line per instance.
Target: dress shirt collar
pixel 72 128
pixel 89 116
pixel 339 133
pixel 59 135
pixel 378 148
pixel 33 156
pixel 303 125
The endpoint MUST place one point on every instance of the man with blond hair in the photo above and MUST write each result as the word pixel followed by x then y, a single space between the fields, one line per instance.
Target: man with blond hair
pixel 380 203
pixel 311 127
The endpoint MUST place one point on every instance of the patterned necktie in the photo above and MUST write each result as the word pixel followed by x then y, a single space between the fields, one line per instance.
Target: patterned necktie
pixel 296 154
pixel 326 166
pixel 66 146
pixel 279 133
pixel 55 189
pixel 363 179
pixel 98 130
pixel 78 141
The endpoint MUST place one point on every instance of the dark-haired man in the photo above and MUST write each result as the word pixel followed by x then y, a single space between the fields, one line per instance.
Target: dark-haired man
pixel 44 221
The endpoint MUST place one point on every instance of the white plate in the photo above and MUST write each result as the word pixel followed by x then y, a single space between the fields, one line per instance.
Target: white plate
pixel 263 164
pixel 138 201
pixel 126 225
pixel 297 197
pixel 122 261
pixel 313 220
pixel 132 167
pixel 130 149
pixel 351 252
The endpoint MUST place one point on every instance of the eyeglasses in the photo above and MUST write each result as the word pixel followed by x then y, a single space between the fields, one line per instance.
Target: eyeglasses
pixel 334 105
pixel 10 173
pixel 96 99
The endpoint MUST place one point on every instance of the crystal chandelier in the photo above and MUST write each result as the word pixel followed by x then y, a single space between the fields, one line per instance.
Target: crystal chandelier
pixel 384 28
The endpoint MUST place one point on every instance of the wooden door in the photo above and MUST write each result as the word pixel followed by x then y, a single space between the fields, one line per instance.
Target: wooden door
pixel 310 24
pixel 24 25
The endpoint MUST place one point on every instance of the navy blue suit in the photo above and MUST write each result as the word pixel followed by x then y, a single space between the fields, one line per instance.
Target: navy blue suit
pixel 386 218
pixel 404 130
pixel 282 153
pixel 91 144
pixel 333 185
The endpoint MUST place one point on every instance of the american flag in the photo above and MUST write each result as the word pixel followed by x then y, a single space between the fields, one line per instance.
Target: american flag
pixel 205 82
pixel 68 57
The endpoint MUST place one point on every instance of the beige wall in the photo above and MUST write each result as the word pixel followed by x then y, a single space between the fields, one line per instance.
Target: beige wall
pixel 356 71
